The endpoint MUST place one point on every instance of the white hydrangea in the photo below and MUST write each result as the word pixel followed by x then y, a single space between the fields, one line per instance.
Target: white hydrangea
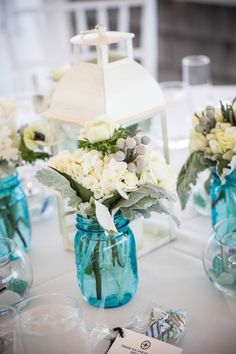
pixel 159 172
pixel 105 176
pixel 8 141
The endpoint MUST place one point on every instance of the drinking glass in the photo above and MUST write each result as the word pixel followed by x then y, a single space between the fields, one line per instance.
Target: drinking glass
pixel 51 323
pixel 196 72
pixel 178 115
pixel 8 317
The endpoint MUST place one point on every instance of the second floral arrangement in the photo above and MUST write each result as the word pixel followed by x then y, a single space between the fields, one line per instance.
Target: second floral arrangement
pixel 213 147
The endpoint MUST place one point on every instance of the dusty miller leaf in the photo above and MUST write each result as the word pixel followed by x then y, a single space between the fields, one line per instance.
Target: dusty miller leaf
pixel 82 192
pixel 160 208
pixel 195 164
pixel 105 219
pixel 152 192
pixel 52 179
pixel 142 202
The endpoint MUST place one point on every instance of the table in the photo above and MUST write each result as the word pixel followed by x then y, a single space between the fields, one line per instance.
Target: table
pixel 172 276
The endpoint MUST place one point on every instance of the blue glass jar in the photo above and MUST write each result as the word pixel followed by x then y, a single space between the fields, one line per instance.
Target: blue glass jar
pixel 106 265
pixel 14 213
pixel 223 197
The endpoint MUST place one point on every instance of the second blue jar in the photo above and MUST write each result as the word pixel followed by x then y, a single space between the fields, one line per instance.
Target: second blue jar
pixel 223 197
pixel 14 213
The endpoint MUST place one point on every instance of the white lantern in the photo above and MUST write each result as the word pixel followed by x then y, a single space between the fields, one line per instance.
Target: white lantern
pixel 109 84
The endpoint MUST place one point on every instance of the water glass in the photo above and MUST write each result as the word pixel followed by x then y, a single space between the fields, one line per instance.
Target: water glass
pixel 178 115
pixel 196 72
pixel 51 323
pixel 8 317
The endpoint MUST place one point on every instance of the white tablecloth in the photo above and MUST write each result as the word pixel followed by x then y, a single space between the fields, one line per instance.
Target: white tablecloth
pixel 172 276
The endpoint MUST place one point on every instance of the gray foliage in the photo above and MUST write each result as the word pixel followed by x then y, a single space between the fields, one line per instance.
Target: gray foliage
pixel 52 179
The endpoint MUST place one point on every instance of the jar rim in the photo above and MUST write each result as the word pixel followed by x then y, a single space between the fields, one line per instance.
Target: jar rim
pixel 99 233
pixel 9 179
pixel 52 296
pixel 12 248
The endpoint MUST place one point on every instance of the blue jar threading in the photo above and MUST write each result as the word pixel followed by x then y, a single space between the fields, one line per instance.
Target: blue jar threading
pixel 14 213
pixel 106 265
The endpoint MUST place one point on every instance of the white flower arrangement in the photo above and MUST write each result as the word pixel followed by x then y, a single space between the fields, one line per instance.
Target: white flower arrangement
pixel 212 145
pixel 23 145
pixel 112 170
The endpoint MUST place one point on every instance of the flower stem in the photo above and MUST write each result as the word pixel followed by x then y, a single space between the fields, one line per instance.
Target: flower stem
pixel 16 228
pixel 115 254
pixel 97 272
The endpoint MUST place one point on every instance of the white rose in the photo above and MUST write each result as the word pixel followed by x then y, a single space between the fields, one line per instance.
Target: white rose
pixel 99 130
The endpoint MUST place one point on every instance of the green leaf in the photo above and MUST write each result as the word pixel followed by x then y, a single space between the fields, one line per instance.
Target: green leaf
pixel 82 192
pixel 228 113
pixel 6 170
pixel 54 180
pixel 29 155
pixel 221 164
pixel 207 184
pixel 109 202
pixel 195 164
pixel 107 146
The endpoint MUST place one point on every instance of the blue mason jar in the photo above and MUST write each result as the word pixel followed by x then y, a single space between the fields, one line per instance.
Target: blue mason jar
pixel 223 197
pixel 14 213
pixel 106 264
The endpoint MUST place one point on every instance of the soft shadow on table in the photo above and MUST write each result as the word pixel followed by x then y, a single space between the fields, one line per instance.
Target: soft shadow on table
pixel 231 302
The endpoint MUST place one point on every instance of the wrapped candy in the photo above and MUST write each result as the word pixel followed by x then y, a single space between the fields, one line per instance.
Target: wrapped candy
pixel 157 322
pixel 167 325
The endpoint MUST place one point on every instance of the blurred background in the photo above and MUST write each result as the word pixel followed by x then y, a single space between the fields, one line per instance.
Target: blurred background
pixel 34 36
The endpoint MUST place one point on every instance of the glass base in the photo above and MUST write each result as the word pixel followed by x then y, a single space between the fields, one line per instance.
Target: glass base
pixel 110 301
pixel 222 279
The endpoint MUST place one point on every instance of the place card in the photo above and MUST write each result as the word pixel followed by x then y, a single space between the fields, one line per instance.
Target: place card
pixel 136 343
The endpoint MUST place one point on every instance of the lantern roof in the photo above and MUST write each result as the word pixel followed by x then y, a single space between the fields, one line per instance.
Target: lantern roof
pixel 109 84
pixel 99 36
